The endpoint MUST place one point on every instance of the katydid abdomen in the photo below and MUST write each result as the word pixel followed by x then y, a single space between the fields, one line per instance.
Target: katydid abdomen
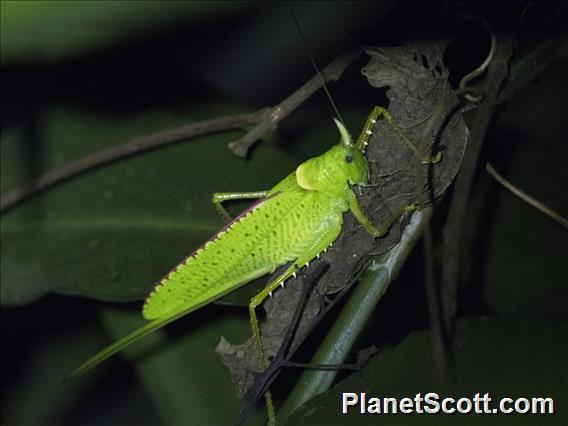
pixel 277 229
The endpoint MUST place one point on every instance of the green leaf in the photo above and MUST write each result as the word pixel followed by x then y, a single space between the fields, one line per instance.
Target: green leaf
pixel 112 233
pixel 182 374
pixel 503 355
pixel 38 355
pixel 54 30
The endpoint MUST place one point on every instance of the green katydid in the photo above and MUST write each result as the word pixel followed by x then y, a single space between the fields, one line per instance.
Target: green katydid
pixel 295 222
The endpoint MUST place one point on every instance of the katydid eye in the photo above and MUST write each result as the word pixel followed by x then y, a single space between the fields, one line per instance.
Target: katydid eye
pixel 349 158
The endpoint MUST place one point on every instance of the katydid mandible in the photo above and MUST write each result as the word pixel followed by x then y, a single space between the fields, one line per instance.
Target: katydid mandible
pixel 295 221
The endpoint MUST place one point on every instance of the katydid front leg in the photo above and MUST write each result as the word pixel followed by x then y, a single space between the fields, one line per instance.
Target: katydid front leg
pixel 380 113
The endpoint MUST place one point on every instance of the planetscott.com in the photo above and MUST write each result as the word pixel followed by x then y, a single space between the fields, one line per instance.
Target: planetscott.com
pixel 432 403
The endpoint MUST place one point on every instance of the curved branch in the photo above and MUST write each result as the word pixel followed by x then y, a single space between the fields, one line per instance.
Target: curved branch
pixel 264 120
pixel 332 72
pixel 135 146
pixel 526 197
pixel 453 228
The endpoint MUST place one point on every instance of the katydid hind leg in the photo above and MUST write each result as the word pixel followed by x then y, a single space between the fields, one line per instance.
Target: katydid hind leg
pixel 319 245
pixel 257 300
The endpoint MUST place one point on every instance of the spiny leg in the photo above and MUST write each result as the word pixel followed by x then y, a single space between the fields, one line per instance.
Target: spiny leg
pixel 256 301
pixel 367 130
pixel 380 113
pixel 219 197
pixel 316 248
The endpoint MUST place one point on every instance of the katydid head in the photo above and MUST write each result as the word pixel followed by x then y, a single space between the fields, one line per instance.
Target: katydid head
pixel 334 170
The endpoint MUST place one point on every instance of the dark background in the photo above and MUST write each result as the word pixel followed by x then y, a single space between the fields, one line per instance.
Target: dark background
pixel 80 77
